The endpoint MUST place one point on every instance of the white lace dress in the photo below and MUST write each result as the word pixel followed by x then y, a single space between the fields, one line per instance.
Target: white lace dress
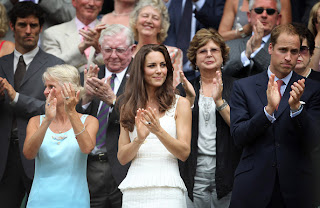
pixel 153 179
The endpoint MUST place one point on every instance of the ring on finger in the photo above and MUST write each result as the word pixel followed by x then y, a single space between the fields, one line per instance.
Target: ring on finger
pixel 148 122
pixel 67 98
pixel 96 89
pixel 48 104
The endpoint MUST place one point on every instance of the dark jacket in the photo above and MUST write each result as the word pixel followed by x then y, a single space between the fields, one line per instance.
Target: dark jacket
pixel 226 152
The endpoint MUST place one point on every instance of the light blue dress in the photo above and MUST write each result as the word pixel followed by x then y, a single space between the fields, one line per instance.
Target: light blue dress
pixel 60 178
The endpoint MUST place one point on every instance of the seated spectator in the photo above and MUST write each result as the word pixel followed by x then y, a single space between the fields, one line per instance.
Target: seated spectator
pixel 306 52
pixel 76 41
pixel 60 142
pixel 234 23
pixel 314 27
pixel 120 14
pixel 149 23
pixel 250 55
pixel 6 47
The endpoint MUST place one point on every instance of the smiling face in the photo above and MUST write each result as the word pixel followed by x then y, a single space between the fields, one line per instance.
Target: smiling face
pixel 284 54
pixel 268 21
pixel 87 10
pixel 120 55
pixel 209 57
pixel 155 69
pixel 50 85
pixel 148 22
pixel 26 33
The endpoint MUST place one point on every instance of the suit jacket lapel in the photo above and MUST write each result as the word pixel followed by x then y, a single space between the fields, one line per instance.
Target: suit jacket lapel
pixel 8 68
pixel 262 85
pixel 35 65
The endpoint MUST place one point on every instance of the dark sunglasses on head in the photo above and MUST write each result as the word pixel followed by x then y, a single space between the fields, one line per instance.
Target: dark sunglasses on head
pixel 304 50
pixel 259 10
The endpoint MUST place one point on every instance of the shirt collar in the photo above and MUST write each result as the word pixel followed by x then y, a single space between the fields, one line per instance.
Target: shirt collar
pixel 285 79
pixel 120 75
pixel 80 25
pixel 27 57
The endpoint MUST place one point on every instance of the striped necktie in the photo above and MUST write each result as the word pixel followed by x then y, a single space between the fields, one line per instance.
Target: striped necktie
pixel 103 116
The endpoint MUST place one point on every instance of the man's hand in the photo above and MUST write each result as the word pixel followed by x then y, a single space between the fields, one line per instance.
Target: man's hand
pixel 101 89
pixel 91 38
pixel 273 95
pixel 296 93
pixel 89 73
pixel 255 41
pixel 4 85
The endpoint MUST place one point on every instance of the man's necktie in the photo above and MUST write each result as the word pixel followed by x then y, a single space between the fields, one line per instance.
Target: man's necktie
pixel 103 119
pixel 19 74
pixel 184 32
pixel 280 83
pixel 87 51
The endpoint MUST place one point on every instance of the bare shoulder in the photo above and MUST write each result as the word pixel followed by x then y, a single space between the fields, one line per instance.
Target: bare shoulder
pixel 34 121
pixel 183 103
pixel 90 119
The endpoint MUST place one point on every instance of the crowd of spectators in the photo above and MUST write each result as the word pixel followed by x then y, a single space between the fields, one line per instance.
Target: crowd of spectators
pixel 127 61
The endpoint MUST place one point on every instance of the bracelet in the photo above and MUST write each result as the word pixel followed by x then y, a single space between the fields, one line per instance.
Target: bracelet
pixel 318 47
pixel 223 106
pixel 84 128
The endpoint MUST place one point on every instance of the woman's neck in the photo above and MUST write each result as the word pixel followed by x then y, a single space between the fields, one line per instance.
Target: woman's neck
pixel 145 41
pixel 208 75
pixel 123 8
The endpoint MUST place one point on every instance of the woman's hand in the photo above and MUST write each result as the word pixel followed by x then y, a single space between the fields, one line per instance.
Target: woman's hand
pixel 142 130
pixel 217 87
pixel 71 98
pixel 51 105
pixel 190 92
pixel 151 120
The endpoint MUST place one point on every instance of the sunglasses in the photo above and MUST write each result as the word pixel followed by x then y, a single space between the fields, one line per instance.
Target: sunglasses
pixel 304 50
pixel 259 10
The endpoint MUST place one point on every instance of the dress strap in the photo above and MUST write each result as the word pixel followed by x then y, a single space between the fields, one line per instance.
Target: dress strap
pixel 83 118
pixel 1 44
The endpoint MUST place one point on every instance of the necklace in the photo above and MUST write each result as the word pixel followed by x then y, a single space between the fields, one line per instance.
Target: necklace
pixel 59 138
pixel 206 105
pixel 309 72
pixel 122 14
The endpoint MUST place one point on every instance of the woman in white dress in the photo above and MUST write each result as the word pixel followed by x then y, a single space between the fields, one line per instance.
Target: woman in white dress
pixel 155 133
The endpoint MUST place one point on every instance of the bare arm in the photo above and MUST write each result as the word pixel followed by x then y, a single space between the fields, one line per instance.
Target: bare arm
pixel 179 147
pixel 85 133
pixel 286 16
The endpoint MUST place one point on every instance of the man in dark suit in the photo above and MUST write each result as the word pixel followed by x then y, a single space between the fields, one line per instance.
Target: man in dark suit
pixel 21 97
pixel 202 14
pixel 105 172
pixel 275 117
pixel 249 55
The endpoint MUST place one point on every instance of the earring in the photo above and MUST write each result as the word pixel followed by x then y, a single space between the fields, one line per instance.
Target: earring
pixel 221 67
pixel 197 69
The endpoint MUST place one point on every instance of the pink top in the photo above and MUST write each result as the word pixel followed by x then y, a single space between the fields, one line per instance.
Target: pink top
pixel 2 44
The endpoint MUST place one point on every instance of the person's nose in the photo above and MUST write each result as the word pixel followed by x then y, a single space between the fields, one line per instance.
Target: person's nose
pixel 288 56
pixel 28 29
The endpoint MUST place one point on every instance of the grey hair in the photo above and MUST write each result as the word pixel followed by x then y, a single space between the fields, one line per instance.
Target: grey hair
pixel 165 21
pixel 116 29
pixel 251 3
pixel 64 73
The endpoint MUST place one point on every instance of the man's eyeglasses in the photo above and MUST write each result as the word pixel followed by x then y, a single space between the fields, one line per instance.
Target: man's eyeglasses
pixel 119 51
pixel 304 50
pixel 259 10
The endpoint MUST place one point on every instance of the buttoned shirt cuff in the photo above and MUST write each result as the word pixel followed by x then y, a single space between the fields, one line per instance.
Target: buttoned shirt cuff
pixel 271 118
pixel 294 114
pixel 15 100
pixel 255 53
pixel 244 59
pixel 199 4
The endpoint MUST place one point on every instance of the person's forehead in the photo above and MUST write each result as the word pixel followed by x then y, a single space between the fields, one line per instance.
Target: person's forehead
pixel 265 4
pixel 288 40
pixel 30 18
